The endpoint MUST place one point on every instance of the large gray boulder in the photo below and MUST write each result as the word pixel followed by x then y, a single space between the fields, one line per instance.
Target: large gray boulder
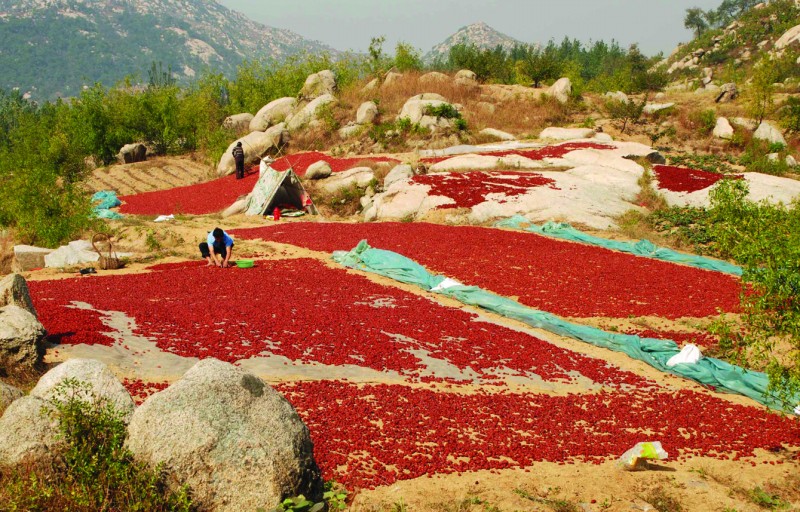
pixel 99 381
pixel 236 442
pixel 358 176
pixel 132 153
pixel 309 112
pixel 21 337
pixel 433 78
pixel 367 113
pixel 255 145
pixel 391 79
pixel 561 90
pixel 319 84
pixel 14 291
pixel 466 78
pixel 7 395
pixel 29 429
pixel 556 133
pixel 723 129
pixel 398 173
pixel 497 134
pixel 238 122
pixel 318 170
pixel 789 37
pixel 29 257
pixel 272 113
pixel 769 133
pixel 728 92
pixel 414 109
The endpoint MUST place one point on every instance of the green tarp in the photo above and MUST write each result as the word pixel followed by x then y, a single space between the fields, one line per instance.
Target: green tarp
pixel 106 199
pixel 641 248
pixel 709 371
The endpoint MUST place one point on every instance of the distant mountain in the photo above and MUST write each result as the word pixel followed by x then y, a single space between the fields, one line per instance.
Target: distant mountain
pixel 53 48
pixel 478 34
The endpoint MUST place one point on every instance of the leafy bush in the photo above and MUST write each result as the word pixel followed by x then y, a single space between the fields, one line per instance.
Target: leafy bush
pixel 628 112
pixel 444 110
pixel 704 120
pixel 94 471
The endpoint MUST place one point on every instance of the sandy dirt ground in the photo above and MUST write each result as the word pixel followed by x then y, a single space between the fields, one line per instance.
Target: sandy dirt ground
pixel 159 173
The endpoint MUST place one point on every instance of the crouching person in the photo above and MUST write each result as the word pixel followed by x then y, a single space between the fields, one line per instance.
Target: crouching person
pixel 217 249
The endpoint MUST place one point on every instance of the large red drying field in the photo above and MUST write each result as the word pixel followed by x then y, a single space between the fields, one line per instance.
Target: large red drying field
pixel 682 179
pixel 564 278
pixel 554 151
pixel 374 434
pixel 468 189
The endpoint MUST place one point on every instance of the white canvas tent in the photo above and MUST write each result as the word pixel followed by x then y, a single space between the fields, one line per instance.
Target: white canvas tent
pixel 277 188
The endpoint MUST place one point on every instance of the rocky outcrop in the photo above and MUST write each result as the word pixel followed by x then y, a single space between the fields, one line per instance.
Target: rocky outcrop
pixel 236 442
pixel 29 429
pixel 555 133
pixel 238 122
pixel 309 112
pixel 789 37
pixel 391 79
pixel 21 337
pixel 398 173
pixel 272 113
pixel 561 90
pixel 28 257
pixel 415 110
pixel 497 134
pixel 319 84
pixel 433 78
pixel 7 395
pixel 367 112
pixel 358 176
pixel 318 170
pixel 723 129
pixel 255 145
pixel 132 153
pixel 769 133
pixel 728 92
pixel 653 108
pixel 466 78
pixel 14 291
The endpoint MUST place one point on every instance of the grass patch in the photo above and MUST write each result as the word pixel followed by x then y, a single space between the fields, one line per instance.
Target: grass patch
pixel 661 501
pixel 766 499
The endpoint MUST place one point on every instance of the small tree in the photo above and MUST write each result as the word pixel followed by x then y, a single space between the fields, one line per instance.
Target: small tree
pixel 407 58
pixel 627 112
pixel 541 65
pixel 760 94
pixel 696 21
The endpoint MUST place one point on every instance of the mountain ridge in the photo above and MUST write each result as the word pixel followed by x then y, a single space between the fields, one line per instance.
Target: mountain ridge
pixel 479 34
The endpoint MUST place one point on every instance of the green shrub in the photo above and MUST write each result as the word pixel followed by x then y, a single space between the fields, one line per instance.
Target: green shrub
pixel 704 120
pixel 444 110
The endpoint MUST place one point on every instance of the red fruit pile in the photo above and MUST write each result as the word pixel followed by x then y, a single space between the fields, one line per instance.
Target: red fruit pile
pixel 681 179
pixel 277 308
pixel 568 279
pixel 299 162
pixel 468 189
pixel 210 197
pixel 556 151
pixel 140 390
pixel 377 434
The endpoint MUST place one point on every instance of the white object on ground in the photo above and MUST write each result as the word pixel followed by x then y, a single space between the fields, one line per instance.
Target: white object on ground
pixel 164 218
pixel 690 354
pixel 797 410
pixel 635 458
pixel 447 283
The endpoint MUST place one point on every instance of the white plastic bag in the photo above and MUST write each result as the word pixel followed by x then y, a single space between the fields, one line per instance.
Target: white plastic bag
pixel 689 355
pixel 636 458
pixel 447 283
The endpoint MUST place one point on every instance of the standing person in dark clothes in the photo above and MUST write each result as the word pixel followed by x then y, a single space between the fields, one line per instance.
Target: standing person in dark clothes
pixel 238 157
pixel 217 249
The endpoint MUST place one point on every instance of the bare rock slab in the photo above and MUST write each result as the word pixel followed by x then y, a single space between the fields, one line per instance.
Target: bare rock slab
pixel 14 291
pixel 234 440
pixel 21 337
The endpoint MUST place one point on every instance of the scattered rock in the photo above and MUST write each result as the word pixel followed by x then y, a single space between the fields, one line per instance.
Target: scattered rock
pixel 791 161
pixel 319 84
pixel 367 113
pixel 652 108
pixel 255 145
pixel 272 113
pixel 656 158
pixel 398 173
pixel 318 170
pixel 748 124
pixel 723 129
pixel 309 112
pixel 433 78
pixel 28 257
pixel 236 442
pixel 790 36
pixel 7 395
pixel 358 176
pixel 132 153
pixel 497 134
pixel 467 78
pixel 555 133
pixel 728 92
pixel 414 108
pixel 391 78
pixel 14 292
pixel 561 90
pixel 96 375
pixel 351 130
pixel 238 122
pixel 619 96
pixel 769 133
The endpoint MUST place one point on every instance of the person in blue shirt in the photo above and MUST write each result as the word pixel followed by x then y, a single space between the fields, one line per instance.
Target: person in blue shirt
pixel 217 249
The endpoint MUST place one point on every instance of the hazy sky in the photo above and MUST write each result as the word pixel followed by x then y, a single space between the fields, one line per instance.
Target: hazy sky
pixel 657 25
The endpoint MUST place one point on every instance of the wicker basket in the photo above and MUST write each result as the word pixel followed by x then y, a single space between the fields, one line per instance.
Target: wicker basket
pixel 109 260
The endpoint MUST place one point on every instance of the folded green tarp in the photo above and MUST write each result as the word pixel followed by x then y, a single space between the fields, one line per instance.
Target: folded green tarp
pixel 709 371
pixel 641 248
